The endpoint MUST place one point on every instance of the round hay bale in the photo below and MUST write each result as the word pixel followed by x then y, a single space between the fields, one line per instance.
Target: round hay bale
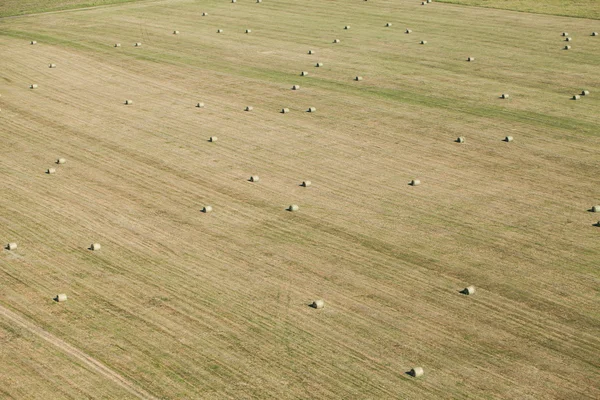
pixel 358 78
pixel 388 24
pixel 296 87
pixel 306 183
pixel 285 110
pixel 60 298
pixel 61 161
pixel 576 97
pixel 461 139
pixel 51 171
pixel 248 31
pixel 318 304
pixel 336 40
pixel 95 247
pixel 504 96
pixel 585 92
pixel 33 42
pixel 415 182
pixel 471 59
pixel 423 3
pixel 408 31
pixel 568 39
pixel 293 207
pixel 117 44
pixel 128 102
pixel 207 209
pixel 33 86
pixel 468 290
pixel 233 1
pixel 204 14
pixel 508 139
pixel 219 30
pixel 303 73
pixel 213 139
pixel 567 47
pixel 51 65
pixel 137 44
pixel 319 64
pixel 175 32
pixel 311 109
pixel 594 33
pixel 254 178
pixel 200 105
pixel 249 108
pixel 259 1
pixel 596 209
pixel 11 246
pixel 347 27
pixel 416 372
pixel 565 34
pixel 423 41
pixel 429 1
pixel 311 52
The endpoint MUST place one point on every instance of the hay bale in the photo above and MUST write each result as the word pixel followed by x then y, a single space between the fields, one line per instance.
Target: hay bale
pixel 318 304
pixel 11 246
pixel 51 65
pixel 336 40
pixel 219 30
pixel 358 78
pixel 61 161
pixel 585 92
pixel 460 139
pixel 175 32
pixel 318 64
pixel 293 207
pixel 296 87
pixel 95 247
pixel 303 73
pixel 128 102
pixel 117 44
pixel 249 108
pixel 388 24
pixel 207 209
pixel 137 44
pixel 311 52
pixel 311 109
pixel 204 14
pixel 60 298
pixel 408 31
pixel 596 209
pixel 423 41
pixel 254 178
pixel 285 110
pixel 414 182
pixel 306 183
pixel 259 1
pixel 423 3
pixel 233 1
pixel 504 96
pixel 565 34
pixel 568 39
pixel 248 31
pixel 576 97
pixel 594 33
pixel 471 59
pixel 51 171
pixel 567 47
pixel 200 105
pixel 347 27
pixel 33 42
pixel 429 1
pixel 213 139
pixel 508 139
pixel 468 290
pixel 416 372
pixel 33 86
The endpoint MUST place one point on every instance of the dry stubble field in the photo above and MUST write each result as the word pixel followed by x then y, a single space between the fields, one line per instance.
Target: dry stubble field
pixel 181 304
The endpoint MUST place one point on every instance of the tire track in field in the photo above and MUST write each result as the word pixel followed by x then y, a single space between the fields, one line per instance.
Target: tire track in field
pixel 78 354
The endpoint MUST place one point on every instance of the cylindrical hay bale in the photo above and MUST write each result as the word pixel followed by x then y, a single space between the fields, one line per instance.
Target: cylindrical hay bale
pixel 596 209
pixel 423 41
pixel 207 209
pixel 128 102
pixel 303 73
pixel 200 105
pixel 347 27
pixel 416 372
pixel 293 207
pixel 336 40
pixel 204 14
pixel 52 66
pixel 233 1
pixel 306 183
pixel 460 140
pixel 219 30
pixel 429 1
pixel 318 304
pixel 138 44
pixel 254 178
pixel 33 42
pixel 508 139
pixel 311 109
pixel 358 78
pixel 469 290
pixel 415 182
pixel 95 246
pixel 117 44
pixel 175 32
pixel 318 64
pixel 248 31
pixel 504 96
pixel 213 139
pixel 285 110
pixel 311 52
pixel 249 108
pixel 565 34
pixel 576 97
pixel 594 33
pixel 568 39
pixel 471 59
pixel 33 86
pixel 423 3
pixel 259 1
pixel 408 31
pixel 388 24
pixel 567 47
pixel 296 87
pixel 51 170
pixel 585 92
pixel 60 298
pixel 61 161
pixel 11 246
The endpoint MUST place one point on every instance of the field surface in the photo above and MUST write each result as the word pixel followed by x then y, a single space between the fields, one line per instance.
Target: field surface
pixel 20 7
pixel 570 8
pixel 180 304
